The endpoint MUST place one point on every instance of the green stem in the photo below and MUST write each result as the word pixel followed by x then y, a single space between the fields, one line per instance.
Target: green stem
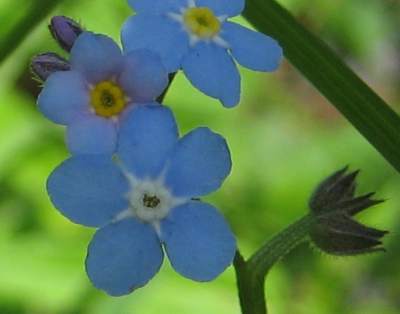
pixel 251 274
pixel 251 294
pixel 161 97
pixel 37 11
pixel 369 114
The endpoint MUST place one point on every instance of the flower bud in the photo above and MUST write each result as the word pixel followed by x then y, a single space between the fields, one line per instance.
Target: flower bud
pixel 334 231
pixel 45 64
pixel 65 31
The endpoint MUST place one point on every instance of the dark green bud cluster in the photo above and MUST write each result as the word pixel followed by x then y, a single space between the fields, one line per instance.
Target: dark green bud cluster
pixel 335 231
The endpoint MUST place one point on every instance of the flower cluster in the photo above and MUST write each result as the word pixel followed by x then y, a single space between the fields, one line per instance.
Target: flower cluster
pixel 130 175
pixel 195 36
pixel 146 201
pixel 98 91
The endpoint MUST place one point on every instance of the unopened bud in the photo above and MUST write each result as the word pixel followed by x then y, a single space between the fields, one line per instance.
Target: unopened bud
pixel 65 31
pixel 45 64
pixel 338 234
pixel 334 231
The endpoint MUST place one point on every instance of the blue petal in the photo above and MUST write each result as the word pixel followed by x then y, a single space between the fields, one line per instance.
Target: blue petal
pixel 223 7
pixel 143 77
pixel 157 6
pixel 251 49
pixel 199 164
pixel 89 133
pixel 198 241
pixel 123 256
pixel 97 57
pixel 63 96
pixel 157 33
pixel 88 189
pixel 211 69
pixel 146 140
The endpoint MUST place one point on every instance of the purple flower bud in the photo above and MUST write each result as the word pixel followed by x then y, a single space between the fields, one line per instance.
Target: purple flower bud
pixel 64 31
pixel 45 64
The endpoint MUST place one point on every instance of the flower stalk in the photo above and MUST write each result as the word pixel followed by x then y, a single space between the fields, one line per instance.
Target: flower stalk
pixel 251 273
pixel 330 227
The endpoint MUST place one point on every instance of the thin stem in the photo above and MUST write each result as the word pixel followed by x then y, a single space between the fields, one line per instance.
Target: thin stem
pixel 279 245
pixel 251 274
pixel 251 296
pixel 161 97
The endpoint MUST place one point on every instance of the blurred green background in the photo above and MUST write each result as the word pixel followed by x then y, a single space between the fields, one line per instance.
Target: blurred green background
pixel 284 138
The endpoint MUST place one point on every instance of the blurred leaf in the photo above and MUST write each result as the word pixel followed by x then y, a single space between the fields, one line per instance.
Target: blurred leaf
pixel 36 10
pixel 369 114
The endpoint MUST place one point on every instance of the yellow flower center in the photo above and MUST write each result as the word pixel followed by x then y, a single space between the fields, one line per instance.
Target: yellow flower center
pixel 107 99
pixel 201 22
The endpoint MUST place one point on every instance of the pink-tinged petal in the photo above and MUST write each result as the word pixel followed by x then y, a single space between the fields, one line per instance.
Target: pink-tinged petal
pixel 97 57
pixel 64 95
pixel 143 77
pixel 89 133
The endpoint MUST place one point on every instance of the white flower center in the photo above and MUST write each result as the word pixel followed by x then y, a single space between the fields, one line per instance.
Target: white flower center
pixel 149 200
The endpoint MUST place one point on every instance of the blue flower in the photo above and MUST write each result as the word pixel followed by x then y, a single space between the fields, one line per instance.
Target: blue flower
pixel 102 86
pixel 195 36
pixel 147 201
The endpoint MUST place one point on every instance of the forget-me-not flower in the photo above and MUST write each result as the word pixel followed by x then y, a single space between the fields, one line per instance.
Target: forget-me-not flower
pixel 147 202
pixel 99 90
pixel 195 36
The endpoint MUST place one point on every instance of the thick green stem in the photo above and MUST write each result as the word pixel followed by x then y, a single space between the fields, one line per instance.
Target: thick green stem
pixel 369 114
pixel 251 294
pixel 251 274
